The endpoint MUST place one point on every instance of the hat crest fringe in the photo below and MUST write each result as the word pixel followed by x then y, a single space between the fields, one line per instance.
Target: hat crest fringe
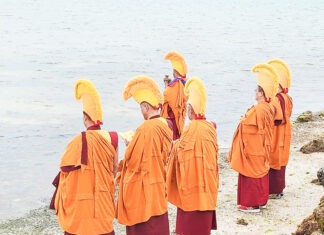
pixel 195 84
pixel 83 88
pixel 175 56
pixel 281 62
pixel 141 82
pixel 272 71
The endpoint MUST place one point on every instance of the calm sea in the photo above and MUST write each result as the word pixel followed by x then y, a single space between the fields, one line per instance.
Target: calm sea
pixel 45 46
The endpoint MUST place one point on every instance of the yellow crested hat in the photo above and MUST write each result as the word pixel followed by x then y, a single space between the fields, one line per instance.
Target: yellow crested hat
pixel 177 61
pixel 267 79
pixel 283 72
pixel 142 89
pixel 195 89
pixel 85 90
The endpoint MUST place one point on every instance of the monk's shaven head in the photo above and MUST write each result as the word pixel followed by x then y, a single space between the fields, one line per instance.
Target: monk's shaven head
pixel 148 110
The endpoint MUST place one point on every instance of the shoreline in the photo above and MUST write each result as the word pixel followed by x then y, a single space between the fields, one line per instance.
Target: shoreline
pixel 281 216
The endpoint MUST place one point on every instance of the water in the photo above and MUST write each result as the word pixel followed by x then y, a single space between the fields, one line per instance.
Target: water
pixel 45 46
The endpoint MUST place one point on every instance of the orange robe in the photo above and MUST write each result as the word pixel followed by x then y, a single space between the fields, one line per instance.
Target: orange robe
pixel 142 189
pixel 85 195
pixel 286 125
pixel 280 146
pixel 192 177
pixel 274 160
pixel 249 154
pixel 175 98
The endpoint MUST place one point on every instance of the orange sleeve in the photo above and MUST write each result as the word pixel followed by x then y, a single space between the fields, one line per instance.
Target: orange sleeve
pixel 278 111
pixel 175 98
pixel 72 154
pixel 248 154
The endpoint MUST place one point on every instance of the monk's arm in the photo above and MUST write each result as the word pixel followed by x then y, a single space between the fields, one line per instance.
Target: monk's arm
pixel 72 154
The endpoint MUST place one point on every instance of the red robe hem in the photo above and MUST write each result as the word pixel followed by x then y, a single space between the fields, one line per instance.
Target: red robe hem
pixel 252 192
pixel 277 181
pixel 195 222
pixel 111 233
pixel 156 225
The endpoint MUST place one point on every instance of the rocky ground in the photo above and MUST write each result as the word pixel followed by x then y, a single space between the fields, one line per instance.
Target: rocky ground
pixel 280 217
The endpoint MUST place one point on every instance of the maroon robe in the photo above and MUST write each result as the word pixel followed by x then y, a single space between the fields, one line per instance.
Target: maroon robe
pixel 195 222
pixel 252 192
pixel 171 118
pixel 156 225
pixel 277 180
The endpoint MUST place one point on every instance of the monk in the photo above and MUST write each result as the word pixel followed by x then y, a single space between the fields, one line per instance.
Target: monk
pixel 192 178
pixel 280 146
pixel 84 199
pixel 142 201
pixel 250 150
pixel 174 106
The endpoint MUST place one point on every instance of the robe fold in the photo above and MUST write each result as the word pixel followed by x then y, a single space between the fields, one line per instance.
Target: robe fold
pixel 84 200
pixel 192 178
pixel 142 189
pixel 174 107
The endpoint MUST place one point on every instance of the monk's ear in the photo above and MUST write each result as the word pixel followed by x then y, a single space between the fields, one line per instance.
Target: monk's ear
pixel 86 117
pixel 143 106
pixel 146 106
pixel 189 109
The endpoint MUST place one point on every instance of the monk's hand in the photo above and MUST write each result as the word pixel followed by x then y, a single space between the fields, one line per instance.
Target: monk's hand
pixel 117 178
pixel 120 166
pixel 166 83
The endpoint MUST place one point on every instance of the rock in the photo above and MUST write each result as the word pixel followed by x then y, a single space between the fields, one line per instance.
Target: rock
pixel 242 222
pixel 314 224
pixel 316 181
pixel 321 114
pixel 307 227
pixel 313 146
pixel 319 215
pixel 305 117
pixel 320 176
